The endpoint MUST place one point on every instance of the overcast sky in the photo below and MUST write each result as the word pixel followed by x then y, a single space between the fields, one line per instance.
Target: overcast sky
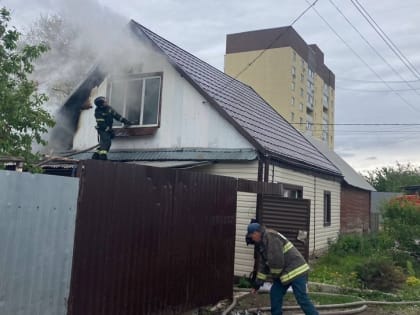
pixel 200 27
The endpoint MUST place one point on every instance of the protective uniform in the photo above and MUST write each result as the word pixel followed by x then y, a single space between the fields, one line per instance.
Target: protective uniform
pixel 280 261
pixel 105 116
pixel 279 258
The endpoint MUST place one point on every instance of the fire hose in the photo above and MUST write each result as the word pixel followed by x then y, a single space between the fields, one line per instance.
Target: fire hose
pixel 355 307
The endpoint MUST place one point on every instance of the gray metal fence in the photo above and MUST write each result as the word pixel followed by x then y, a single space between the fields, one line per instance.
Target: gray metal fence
pixel 37 221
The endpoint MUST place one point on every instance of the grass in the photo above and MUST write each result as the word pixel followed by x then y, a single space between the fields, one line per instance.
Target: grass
pixel 339 267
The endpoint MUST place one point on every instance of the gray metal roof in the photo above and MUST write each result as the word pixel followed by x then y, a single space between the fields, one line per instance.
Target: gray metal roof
pixel 177 155
pixel 172 164
pixel 351 177
pixel 243 107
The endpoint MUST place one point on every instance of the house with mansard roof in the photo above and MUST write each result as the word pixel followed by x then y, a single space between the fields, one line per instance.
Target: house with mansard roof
pixel 188 114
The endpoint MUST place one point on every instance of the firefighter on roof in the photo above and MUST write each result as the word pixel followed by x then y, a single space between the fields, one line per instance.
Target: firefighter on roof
pixel 105 116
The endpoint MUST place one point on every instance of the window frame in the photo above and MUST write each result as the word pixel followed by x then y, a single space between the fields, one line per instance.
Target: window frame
pixel 289 190
pixel 137 130
pixel 327 208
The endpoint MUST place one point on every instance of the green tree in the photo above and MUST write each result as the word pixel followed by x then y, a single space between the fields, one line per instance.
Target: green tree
pixel 22 118
pixel 392 178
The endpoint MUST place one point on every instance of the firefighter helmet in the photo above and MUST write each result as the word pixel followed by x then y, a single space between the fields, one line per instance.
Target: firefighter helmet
pixel 99 101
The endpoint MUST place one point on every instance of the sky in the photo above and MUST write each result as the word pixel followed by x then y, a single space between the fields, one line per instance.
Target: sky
pixel 373 84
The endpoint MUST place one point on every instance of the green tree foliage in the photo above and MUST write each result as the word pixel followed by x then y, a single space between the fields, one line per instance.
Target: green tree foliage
pixel 402 223
pixel 22 118
pixel 391 179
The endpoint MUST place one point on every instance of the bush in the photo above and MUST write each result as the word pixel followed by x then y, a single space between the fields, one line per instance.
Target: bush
pixel 364 245
pixel 380 274
pixel 406 261
pixel 244 282
pixel 402 223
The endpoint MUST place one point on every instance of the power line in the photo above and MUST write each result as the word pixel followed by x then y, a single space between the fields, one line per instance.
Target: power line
pixel 372 47
pixel 395 132
pixel 360 124
pixel 376 91
pixel 374 81
pixel 361 59
pixel 276 39
pixel 385 37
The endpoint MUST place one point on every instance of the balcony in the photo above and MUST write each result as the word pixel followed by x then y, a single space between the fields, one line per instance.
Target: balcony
pixel 309 106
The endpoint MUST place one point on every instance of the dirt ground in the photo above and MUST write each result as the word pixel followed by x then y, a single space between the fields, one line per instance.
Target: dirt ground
pixel 262 300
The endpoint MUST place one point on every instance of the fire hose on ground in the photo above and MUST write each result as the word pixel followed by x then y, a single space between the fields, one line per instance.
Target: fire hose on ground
pixel 349 308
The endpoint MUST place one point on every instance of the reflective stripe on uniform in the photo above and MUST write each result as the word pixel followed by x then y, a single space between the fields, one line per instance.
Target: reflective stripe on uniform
pixel 102 151
pixel 276 271
pixel 294 273
pixel 100 119
pixel 261 276
pixel 288 246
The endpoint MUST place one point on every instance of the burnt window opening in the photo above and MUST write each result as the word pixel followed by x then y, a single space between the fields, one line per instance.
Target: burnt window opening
pixel 137 98
pixel 327 208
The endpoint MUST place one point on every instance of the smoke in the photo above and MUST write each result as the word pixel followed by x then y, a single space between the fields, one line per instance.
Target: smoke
pixel 81 33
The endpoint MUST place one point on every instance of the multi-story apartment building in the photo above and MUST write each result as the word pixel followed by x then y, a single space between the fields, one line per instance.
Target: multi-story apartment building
pixel 289 74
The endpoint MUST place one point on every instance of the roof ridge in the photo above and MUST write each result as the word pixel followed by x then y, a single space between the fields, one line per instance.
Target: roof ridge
pixel 185 51
pixel 242 106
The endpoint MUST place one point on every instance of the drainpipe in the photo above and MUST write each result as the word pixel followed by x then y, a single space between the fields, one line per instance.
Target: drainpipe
pixel 264 178
pixel 261 162
pixel 266 169
pixel 259 179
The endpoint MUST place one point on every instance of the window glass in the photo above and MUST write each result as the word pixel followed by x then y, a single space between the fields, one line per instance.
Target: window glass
pixel 133 101
pixel 327 208
pixel 151 101
pixel 117 98
pixel 136 98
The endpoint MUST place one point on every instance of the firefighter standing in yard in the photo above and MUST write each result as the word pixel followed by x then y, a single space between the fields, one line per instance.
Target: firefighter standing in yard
pixel 105 116
pixel 281 261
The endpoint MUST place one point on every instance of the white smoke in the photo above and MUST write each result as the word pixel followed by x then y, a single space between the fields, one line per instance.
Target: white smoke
pixel 100 35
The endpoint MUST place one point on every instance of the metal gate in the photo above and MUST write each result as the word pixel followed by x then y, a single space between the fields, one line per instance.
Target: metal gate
pixel 291 217
pixel 150 240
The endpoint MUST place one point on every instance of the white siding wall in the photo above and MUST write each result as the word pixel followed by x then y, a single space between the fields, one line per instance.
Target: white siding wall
pixel 187 119
pixel 246 210
pixel 313 189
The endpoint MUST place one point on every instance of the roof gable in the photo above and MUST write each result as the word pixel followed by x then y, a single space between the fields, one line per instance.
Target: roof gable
pixel 255 118
pixel 351 177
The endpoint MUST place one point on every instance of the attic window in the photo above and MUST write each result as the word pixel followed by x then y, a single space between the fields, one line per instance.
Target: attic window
pixel 137 98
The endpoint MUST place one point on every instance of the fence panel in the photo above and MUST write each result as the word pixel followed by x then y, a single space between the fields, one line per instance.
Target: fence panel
pixel 37 220
pixel 151 240
pixel 289 217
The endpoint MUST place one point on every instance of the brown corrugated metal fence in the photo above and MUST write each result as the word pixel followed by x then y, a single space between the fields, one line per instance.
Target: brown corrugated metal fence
pixel 287 216
pixel 151 241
